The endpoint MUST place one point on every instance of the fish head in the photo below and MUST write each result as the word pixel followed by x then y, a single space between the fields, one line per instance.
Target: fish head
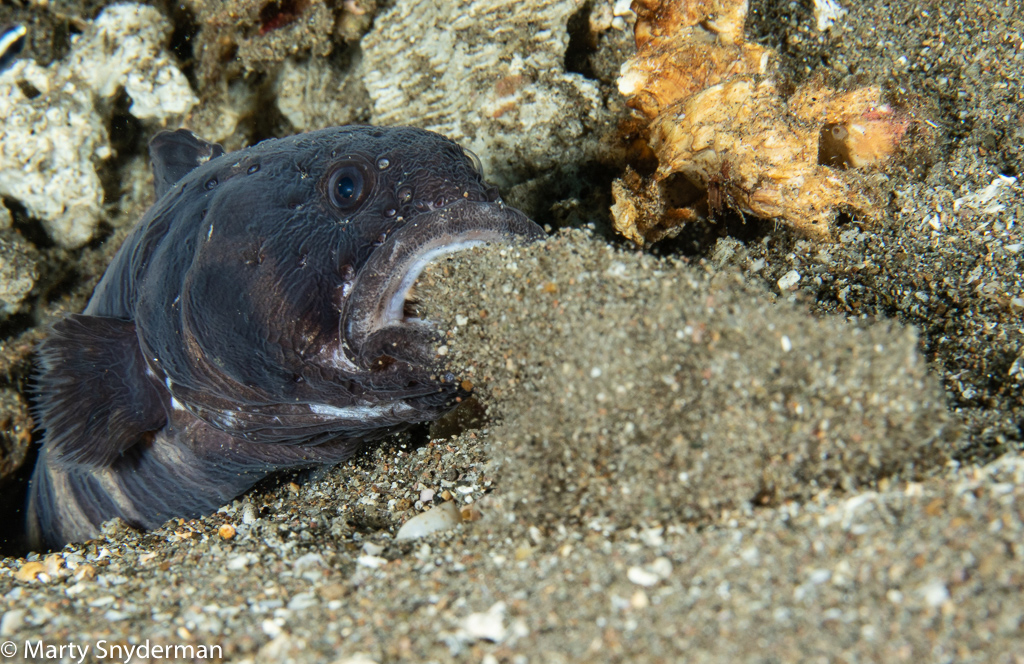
pixel 290 291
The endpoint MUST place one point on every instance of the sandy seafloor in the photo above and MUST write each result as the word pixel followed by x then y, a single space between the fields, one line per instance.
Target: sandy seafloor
pixel 667 459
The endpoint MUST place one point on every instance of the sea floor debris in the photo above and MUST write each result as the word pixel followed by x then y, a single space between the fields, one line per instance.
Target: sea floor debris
pixel 726 135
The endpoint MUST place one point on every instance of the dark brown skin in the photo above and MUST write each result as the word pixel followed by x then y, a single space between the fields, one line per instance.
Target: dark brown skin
pixel 254 321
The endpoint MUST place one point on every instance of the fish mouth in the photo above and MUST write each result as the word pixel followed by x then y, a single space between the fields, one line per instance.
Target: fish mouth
pixel 376 322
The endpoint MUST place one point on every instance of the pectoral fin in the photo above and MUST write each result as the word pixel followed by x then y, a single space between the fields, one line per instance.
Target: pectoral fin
pixel 95 397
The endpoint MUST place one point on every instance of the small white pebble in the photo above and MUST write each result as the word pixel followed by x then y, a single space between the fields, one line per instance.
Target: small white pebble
pixel 935 594
pixel 443 517
pixel 12 622
pixel 642 577
pixel 302 601
pixel 622 8
pixel 271 628
pixel 373 562
pixel 788 281
pixel 787 345
pixel 237 563
pixel 489 625
pixel 661 566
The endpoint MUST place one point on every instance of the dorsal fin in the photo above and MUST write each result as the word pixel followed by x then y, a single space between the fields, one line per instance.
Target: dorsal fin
pixel 174 154
pixel 94 398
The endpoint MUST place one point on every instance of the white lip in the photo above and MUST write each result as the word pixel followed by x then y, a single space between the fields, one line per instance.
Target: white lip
pixel 394 312
pixel 380 289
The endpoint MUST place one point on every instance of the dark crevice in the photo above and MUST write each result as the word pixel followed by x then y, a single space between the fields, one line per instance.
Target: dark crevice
pixel 62 282
pixel 30 228
pixel 697 240
pixel 30 91
pixel 582 43
pixel 269 123
pixel 125 133
pixel 844 219
pixel 573 196
pixel 13 498
pixel 16 324
pixel 679 192
pixel 182 40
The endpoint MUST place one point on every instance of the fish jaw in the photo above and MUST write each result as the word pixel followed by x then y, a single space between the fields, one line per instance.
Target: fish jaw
pixel 373 324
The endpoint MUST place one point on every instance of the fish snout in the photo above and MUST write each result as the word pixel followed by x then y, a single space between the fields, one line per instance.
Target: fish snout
pixel 377 307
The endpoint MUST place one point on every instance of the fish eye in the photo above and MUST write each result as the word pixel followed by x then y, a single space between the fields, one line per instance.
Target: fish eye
pixel 347 187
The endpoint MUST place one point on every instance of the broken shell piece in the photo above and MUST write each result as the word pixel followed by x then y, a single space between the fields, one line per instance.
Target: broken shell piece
pixel 724 137
pixel 443 517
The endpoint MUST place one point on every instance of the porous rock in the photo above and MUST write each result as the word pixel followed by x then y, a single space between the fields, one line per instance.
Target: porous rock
pixel 17 266
pixel 53 118
pixel 489 75
pixel 239 37
pixel 313 94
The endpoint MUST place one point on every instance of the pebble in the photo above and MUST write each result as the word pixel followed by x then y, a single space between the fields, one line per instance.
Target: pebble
pixel 642 577
pixel 442 517
pixel 310 561
pixel 489 625
pixel 371 549
pixel 85 572
pixel 29 571
pixel 302 601
pixel 226 532
pixel 373 562
pixel 238 563
pixel 935 593
pixel 788 281
pixel 11 622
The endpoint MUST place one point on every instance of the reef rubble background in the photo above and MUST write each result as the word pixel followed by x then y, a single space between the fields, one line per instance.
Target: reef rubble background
pixel 747 442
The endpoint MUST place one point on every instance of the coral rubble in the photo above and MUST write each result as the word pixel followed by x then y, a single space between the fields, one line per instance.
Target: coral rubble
pixel 53 118
pixel 313 94
pixel 490 76
pixel 725 136
pixel 243 36
pixel 17 266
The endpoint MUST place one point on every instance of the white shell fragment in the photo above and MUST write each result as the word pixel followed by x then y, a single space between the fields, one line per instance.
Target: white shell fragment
pixel 443 517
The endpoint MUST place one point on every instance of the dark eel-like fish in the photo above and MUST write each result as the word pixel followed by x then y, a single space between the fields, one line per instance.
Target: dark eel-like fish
pixel 255 320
